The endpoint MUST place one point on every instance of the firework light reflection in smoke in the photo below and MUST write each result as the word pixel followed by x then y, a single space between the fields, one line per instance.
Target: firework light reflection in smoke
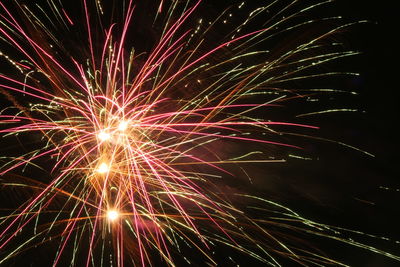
pixel 134 138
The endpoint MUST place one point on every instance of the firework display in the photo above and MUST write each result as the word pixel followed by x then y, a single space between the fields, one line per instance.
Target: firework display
pixel 131 128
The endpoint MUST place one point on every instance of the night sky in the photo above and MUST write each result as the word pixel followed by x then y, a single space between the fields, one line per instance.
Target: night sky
pixel 340 186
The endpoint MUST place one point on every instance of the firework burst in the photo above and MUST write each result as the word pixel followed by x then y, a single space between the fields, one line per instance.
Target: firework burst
pixel 126 149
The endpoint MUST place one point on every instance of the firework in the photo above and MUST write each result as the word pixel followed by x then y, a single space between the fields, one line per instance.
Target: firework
pixel 133 127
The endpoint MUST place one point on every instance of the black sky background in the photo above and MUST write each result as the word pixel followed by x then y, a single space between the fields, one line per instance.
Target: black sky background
pixel 356 196
pixel 352 186
pixel 345 187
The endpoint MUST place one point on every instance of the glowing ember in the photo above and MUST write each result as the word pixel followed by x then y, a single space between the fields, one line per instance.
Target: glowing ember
pixel 112 215
pixel 103 168
pixel 122 126
pixel 104 136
